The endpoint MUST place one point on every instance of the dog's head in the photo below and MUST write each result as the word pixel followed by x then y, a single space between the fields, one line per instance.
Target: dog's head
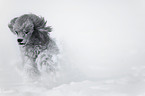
pixel 25 26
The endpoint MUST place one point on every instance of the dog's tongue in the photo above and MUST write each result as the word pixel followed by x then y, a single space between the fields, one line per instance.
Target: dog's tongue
pixel 21 43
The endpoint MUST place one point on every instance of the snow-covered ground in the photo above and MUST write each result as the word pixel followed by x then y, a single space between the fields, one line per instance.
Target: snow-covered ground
pixel 102 41
pixel 118 87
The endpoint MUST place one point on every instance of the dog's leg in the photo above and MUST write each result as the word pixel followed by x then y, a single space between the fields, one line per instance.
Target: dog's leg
pixel 46 63
pixel 31 72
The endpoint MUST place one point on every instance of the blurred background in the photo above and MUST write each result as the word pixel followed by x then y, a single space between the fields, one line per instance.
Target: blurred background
pixel 102 38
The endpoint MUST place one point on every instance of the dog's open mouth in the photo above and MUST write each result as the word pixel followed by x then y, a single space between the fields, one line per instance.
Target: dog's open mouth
pixel 21 43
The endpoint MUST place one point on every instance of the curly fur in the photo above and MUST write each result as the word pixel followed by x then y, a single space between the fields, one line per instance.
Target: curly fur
pixel 38 49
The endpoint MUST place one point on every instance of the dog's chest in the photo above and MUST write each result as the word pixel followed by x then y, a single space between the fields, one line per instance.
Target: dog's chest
pixel 32 52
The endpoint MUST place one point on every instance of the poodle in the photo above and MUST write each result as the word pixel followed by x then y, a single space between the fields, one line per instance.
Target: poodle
pixel 39 50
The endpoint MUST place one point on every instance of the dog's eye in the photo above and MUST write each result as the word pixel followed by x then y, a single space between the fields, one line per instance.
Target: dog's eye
pixel 16 32
pixel 26 32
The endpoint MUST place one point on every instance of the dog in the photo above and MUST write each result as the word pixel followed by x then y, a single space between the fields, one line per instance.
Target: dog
pixel 39 50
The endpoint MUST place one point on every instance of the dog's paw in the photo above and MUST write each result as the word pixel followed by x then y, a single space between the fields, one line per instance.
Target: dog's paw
pixel 31 73
pixel 47 66
pixel 46 62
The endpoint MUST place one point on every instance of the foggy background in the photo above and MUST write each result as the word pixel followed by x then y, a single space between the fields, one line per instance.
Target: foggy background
pixel 102 38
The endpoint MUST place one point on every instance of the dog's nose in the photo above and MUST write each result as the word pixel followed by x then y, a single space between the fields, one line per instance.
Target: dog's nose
pixel 19 40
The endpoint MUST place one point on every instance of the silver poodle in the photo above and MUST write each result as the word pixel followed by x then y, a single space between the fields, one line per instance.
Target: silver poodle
pixel 39 51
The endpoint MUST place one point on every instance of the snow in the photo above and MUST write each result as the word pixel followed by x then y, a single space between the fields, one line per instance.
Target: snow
pixel 102 48
pixel 83 88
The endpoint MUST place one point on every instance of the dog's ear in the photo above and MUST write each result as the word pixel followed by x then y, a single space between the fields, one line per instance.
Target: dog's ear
pixel 49 29
pixel 11 24
pixel 42 26
pixel 45 29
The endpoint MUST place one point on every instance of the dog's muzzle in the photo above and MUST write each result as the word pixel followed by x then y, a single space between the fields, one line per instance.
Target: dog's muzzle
pixel 20 41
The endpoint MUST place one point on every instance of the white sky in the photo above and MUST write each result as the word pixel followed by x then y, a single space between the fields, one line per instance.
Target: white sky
pixel 106 36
